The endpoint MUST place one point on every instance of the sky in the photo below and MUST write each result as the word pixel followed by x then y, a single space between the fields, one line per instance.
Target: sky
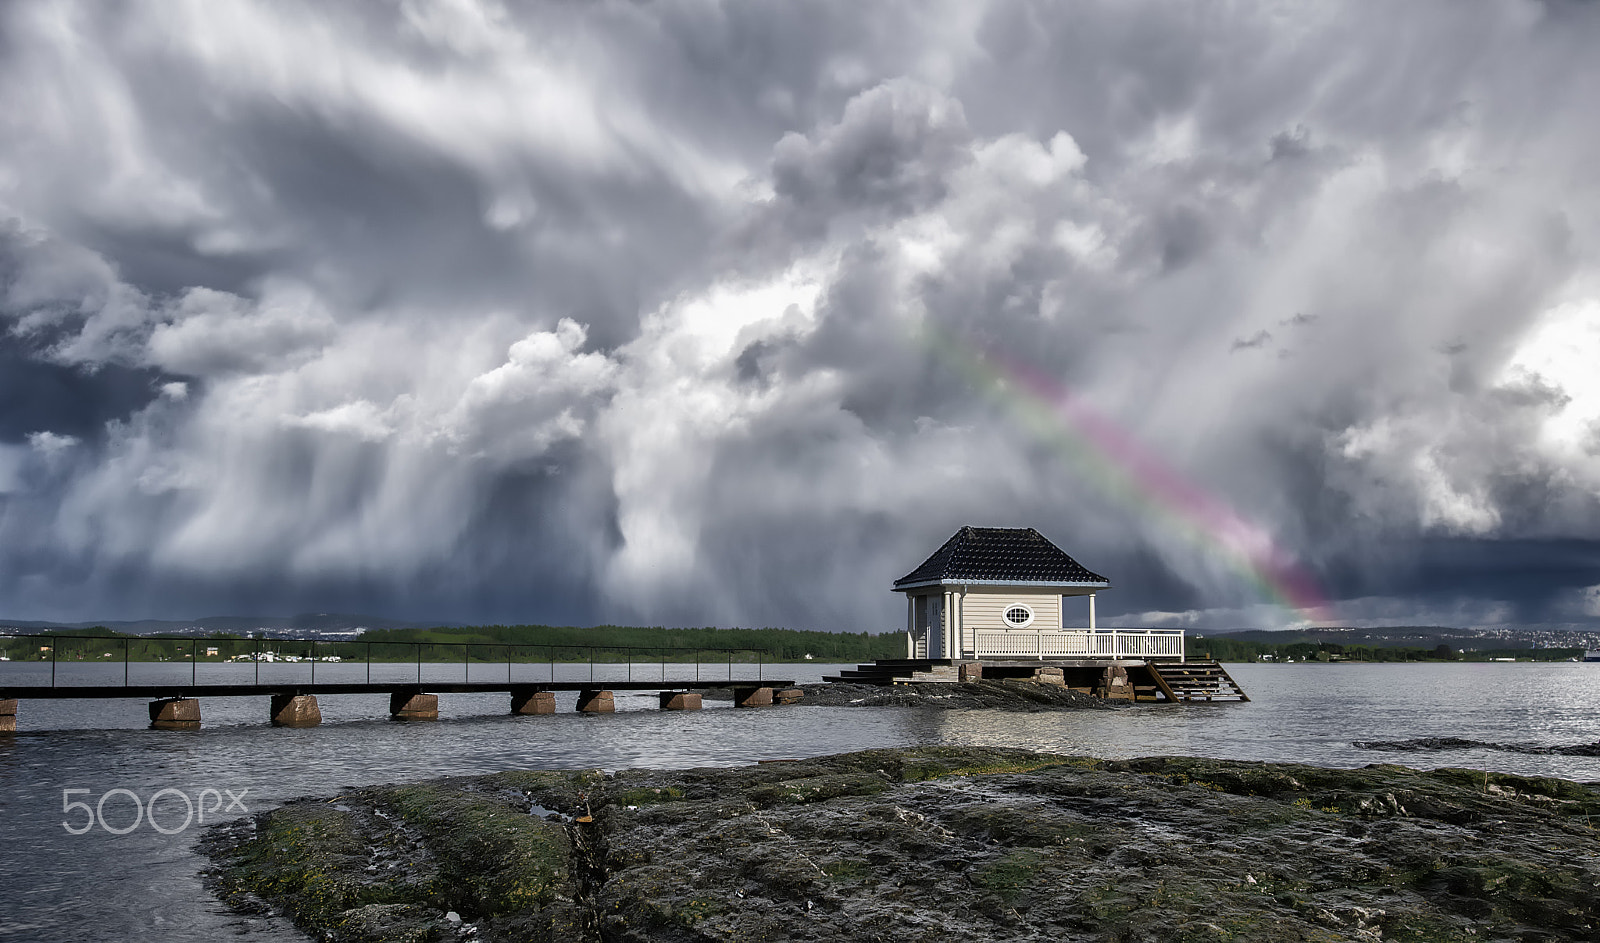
pixel 700 313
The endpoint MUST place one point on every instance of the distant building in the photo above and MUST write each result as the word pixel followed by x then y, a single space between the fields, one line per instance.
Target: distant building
pixel 995 592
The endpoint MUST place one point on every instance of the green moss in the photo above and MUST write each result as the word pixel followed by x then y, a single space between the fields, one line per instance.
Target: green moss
pixel 819 788
pixel 1011 874
pixel 312 859
pixel 847 869
pixel 647 795
pixel 496 859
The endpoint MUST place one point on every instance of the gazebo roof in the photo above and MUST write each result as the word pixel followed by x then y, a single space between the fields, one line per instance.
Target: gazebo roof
pixel 1000 555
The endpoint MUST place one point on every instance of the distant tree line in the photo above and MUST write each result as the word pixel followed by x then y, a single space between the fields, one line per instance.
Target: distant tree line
pixel 1237 650
pixel 515 642
pixel 774 644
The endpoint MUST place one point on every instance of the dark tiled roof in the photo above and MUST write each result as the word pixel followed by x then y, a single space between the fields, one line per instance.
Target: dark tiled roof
pixel 1005 554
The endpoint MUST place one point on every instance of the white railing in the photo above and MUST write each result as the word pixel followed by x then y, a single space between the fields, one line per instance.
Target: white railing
pixel 1078 643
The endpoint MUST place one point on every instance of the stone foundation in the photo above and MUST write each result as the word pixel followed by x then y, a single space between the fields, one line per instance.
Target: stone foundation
pixel 533 702
pixel 406 706
pixel 972 671
pixel 176 713
pixel 787 695
pixel 679 701
pixel 8 715
pixel 1051 676
pixel 1114 684
pixel 295 710
pixel 752 697
pixel 596 702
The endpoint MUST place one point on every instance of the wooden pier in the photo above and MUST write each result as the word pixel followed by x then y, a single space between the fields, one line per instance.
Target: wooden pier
pixel 679 677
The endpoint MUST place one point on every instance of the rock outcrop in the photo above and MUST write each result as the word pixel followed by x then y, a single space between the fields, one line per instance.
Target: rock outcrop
pixel 936 844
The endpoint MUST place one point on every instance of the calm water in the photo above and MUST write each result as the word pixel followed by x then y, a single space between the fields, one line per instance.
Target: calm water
pixel 143 885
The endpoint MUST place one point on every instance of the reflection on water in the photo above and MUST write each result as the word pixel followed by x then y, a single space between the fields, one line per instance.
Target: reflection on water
pixel 143 885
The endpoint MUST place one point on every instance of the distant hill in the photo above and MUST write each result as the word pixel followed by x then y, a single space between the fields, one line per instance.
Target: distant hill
pixel 1419 636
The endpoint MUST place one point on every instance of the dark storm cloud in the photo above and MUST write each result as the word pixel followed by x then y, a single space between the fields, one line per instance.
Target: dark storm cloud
pixel 658 312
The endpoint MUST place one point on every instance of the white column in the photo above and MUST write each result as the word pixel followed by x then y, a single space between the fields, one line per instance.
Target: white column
pixel 1091 612
pixel 944 623
pixel 911 629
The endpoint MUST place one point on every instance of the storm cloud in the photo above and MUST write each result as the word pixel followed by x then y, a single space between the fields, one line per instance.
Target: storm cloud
pixel 550 312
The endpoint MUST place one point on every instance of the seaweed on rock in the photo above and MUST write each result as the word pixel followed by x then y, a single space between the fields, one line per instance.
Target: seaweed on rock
pixel 946 843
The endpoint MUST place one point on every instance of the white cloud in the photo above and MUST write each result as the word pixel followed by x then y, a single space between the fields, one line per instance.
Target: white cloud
pixel 356 298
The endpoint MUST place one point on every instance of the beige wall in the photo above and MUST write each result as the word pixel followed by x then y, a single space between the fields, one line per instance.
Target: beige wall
pixel 983 608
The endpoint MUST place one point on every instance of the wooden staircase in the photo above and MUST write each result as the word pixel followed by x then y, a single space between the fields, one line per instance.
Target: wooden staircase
pixel 1195 681
pixel 893 670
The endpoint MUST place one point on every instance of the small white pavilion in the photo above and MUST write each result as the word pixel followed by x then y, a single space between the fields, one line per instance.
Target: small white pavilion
pixel 997 593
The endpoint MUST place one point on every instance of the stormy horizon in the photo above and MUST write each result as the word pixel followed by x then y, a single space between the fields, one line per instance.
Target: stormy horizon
pixel 691 313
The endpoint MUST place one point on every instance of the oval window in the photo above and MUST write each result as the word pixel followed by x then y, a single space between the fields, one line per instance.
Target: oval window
pixel 1018 616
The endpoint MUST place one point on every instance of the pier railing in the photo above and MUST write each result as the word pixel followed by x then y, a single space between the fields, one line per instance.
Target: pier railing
pixel 1078 643
pixel 64 661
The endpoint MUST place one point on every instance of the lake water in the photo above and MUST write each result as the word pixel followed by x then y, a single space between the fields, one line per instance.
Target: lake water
pixel 144 885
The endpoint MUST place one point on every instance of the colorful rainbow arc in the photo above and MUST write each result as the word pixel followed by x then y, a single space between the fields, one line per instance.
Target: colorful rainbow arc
pixel 1126 470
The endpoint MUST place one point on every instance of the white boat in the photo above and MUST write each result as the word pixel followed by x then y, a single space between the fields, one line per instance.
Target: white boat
pixel 1591 656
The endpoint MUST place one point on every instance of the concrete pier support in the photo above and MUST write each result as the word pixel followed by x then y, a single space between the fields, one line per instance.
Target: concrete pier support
pixel 787 695
pixel 175 713
pixel 404 705
pixel 680 701
pixel 533 702
pixel 591 701
pixel 8 715
pixel 752 697
pixel 295 710
pixel 971 671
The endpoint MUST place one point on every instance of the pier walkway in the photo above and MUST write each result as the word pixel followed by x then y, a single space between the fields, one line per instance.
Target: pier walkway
pixel 174 673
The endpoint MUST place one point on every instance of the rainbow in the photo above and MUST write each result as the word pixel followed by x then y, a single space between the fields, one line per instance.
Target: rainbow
pixel 1132 474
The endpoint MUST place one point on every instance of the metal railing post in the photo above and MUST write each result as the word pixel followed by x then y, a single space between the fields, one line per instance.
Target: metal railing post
pixel 125 652
pixel 55 643
pixel 313 661
pixel 369 662
pixel 194 662
pixel 419 662
pixel 255 656
pixel 508 664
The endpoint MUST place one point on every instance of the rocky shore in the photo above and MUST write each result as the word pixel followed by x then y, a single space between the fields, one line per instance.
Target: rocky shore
pixel 1009 695
pixel 937 844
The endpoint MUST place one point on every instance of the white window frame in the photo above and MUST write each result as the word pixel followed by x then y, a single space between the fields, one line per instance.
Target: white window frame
pixel 1017 605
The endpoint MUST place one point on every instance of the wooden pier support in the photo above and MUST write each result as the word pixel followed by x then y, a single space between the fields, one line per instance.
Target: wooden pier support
pixel 404 705
pixel 752 697
pixel 175 713
pixel 787 695
pixel 8 715
pixel 680 701
pixel 295 710
pixel 533 702
pixel 591 701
